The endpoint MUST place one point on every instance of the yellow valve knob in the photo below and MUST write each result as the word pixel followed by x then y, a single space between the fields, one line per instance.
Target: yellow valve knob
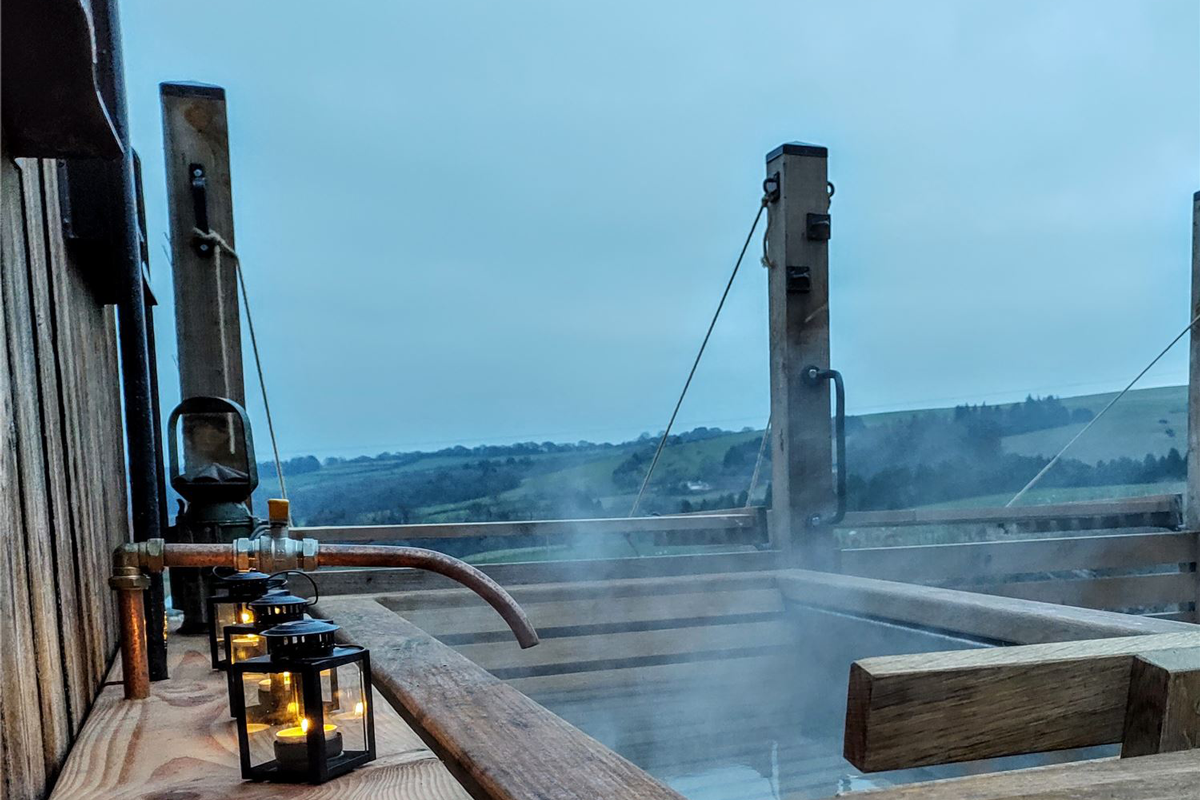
pixel 277 510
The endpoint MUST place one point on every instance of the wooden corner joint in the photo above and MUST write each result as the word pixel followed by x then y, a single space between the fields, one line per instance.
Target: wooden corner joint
pixel 1162 713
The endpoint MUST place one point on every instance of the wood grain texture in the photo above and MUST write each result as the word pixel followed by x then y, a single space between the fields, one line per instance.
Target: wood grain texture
pixel 501 744
pixel 62 477
pixel 947 562
pixel 940 708
pixel 1162 713
pixel 181 743
pixel 207 331
pixel 1193 454
pixel 999 619
pixel 1173 776
pixel 798 324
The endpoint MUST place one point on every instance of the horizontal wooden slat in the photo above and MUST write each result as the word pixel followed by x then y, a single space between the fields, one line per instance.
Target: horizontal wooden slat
pixel 943 562
pixel 748 520
pixel 1130 591
pixel 1167 507
pixel 937 708
pixel 1171 776
pixel 1000 619
pixel 614 650
pixel 360 581
pixel 556 618
pixel 503 745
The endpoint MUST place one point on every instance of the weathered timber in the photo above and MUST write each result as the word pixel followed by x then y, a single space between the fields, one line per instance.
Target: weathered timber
pixel 1172 776
pixel 498 742
pixel 1162 713
pixel 1193 457
pixel 798 310
pixel 1164 511
pixel 180 743
pixel 1122 592
pixel 940 708
pixel 359 581
pixel 207 332
pixel 947 562
pixel 998 619
pixel 733 521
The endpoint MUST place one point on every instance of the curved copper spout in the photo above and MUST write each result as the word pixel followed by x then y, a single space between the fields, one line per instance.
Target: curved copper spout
pixel 131 559
pixel 351 555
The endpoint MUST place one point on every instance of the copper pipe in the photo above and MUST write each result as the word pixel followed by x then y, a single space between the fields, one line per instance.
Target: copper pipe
pixel 351 555
pixel 197 555
pixel 135 670
pixel 129 560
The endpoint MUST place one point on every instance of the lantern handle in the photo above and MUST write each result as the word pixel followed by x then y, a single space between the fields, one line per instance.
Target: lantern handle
pixel 316 589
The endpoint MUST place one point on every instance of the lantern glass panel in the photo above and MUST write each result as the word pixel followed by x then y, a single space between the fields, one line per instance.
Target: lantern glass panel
pixel 232 612
pixel 349 706
pixel 214 447
pixel 243 642
pixel 276 720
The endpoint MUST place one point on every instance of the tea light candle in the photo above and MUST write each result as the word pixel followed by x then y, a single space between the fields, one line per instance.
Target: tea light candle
pixel 245 646
pixel 291 745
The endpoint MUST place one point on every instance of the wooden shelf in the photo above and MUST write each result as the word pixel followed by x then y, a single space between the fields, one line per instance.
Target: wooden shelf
pixel 180 742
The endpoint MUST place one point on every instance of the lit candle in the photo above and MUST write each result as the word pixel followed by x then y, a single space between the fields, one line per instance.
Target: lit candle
pixel 245 646
pixel 291 745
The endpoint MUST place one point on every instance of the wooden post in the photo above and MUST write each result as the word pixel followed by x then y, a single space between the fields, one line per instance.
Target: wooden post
pixel 1192 506
pixel 207 330
pixel 1162 714
pixel 798 295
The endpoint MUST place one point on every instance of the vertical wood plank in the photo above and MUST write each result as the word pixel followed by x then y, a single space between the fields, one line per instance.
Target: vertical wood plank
pixel 1162 714
pixel 25 769
pixel 35 477
pixel 1192 510
pixel 64 479
pixel 798 299
pixel 195 131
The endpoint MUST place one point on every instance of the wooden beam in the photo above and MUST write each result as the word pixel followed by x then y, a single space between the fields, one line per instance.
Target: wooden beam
pixel 207 330
pixel 358 581
pixel 1162 713
pixel 946 562
pixel 798 299
pixel 748 521
pixel 500 744
pixel 1193 455
pixel 982 616
pixel 1159 510
pixel 940 708
pixel 1167 777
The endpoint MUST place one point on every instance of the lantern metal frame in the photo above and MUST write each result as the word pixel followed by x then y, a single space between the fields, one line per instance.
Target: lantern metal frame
pixel 275 607
pixel 241 588
pixel 305 661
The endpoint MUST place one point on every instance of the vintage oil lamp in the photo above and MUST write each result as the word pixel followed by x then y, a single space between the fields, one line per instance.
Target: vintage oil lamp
pixel 304 710
pixel 216 476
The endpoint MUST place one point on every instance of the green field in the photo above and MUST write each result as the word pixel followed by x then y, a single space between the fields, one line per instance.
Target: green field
pixel 1145 421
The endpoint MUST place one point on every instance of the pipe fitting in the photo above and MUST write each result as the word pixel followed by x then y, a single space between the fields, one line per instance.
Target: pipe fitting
pixel 243 554
pixel 128 579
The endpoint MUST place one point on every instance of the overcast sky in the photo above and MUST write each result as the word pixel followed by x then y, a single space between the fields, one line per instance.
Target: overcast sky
pixel 486 222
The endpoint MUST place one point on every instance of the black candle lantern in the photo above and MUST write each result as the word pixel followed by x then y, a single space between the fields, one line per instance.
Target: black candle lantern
pixel 230 605
pixel 304 710
pixel 245 640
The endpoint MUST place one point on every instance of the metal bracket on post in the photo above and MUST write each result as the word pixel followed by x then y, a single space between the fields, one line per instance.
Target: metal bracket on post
pixel 199 183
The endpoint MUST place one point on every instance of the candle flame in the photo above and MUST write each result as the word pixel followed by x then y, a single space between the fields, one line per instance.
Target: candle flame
pixel 247 617
pixel 304 724
pixel 358 708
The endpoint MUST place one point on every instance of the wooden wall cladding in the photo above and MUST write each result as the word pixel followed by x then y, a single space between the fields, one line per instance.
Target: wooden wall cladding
pixel 62 484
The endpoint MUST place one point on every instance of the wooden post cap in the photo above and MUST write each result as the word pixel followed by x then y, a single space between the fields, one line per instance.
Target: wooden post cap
pixel 277 510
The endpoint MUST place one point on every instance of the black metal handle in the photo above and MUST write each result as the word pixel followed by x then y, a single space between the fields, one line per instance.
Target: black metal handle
pixel 814 376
